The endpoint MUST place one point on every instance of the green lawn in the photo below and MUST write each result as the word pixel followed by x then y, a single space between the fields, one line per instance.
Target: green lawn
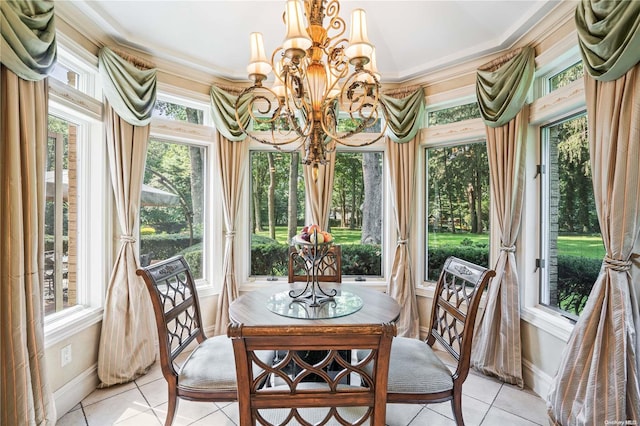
pixel 575 245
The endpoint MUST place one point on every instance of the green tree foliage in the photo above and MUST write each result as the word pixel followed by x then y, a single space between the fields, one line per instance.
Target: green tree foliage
pixel 453 114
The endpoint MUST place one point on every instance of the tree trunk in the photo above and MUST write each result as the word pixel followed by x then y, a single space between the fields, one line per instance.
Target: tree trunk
pixel 372 203
pixel 293 196
pixel 352 219
pixel 197 191
pixel 471 200
pixel 478 191
pixel 256 209
pixel 271 200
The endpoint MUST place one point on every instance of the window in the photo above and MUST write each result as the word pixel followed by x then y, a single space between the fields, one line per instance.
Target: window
pixel 172 204
pixel 571 246
pixel 453 114
pixel 178 112
pixel 457 220
pixel 277 209
pixel 61 216
pixel 566 76
pixel 355 218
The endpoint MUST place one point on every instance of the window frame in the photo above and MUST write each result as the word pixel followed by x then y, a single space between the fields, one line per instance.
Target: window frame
pixel 95 246
pixel 546 109
pixel 184 133
pixel 243 234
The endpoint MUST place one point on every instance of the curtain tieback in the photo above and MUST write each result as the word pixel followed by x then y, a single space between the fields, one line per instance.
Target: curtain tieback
pixel 126 238
pixel 230 234
pixel 508 249
pixel 616 264
pixel 402 242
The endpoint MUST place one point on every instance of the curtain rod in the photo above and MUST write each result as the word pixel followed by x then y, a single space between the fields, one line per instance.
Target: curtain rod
pixel 500 61
pixel 402 92
pixel 137 62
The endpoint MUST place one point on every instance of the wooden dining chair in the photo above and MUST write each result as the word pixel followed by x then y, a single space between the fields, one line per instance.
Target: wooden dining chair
pixel 208 372
pixel 312 393
pixel 329 268
pixel 416 373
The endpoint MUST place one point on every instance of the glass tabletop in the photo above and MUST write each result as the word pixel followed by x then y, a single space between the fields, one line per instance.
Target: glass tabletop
pixel 342 304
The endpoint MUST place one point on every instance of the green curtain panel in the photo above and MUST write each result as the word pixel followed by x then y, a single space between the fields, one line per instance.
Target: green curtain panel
pixel 224 116
pixel 404 115
pixel 28 45
pixel 130 90
pixel 609 37
pixel 502 93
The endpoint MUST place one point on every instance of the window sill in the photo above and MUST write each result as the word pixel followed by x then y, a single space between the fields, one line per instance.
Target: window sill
pixel 71 321
pixel 255 283
pixel 548 321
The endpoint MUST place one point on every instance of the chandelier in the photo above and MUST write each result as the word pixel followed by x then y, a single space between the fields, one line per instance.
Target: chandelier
pixel 318 76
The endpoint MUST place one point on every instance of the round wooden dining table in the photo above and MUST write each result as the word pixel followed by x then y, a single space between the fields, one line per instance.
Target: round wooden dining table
pixel 353 305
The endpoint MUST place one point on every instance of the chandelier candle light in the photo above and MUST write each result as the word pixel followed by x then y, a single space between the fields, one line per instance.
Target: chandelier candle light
pixel 316 76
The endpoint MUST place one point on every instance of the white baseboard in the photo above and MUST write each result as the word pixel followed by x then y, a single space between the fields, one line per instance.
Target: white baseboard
pixel 535 379
pixel 69 395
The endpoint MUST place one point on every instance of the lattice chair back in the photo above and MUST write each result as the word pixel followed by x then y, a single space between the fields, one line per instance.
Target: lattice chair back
pixel 176 306
pixel 336 389
pixel 456 300
pixel 329 268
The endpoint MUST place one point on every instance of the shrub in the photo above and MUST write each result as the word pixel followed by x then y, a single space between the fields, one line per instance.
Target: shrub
pixel 269 259
pixel 576 276
pixel 438 255
pixel 147 230
pixel 164 246
pixel 193 256
pixel 361 259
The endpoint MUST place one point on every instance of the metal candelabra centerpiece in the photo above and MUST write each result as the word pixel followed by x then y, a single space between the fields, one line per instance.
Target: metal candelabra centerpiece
pixel 313 255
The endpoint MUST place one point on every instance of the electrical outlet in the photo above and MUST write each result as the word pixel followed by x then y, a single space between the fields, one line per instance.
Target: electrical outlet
pixel 65 355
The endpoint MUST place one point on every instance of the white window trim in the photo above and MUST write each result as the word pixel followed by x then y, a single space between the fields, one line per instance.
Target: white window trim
pixel 94 218
pixel 559 104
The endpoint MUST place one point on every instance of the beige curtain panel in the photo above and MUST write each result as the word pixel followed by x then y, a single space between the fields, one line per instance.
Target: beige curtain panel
pixel 27 54
pixel 319 190
pixel 598 379
pixel 502 87
pixel 231 158
pixel 25 395
pixel 404 115
pixel 127 341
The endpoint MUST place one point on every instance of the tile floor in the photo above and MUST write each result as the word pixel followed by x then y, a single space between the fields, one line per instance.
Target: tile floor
pixel 485 402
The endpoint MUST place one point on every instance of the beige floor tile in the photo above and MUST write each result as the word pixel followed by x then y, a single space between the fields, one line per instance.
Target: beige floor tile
pixel 481 387
pixel 473 410
pixel 146 418
pixel 231 410
pixel 217 418
pixel 498 417
pixel 156 392
pixel 188 411
pixel 154 373
pixel 116 408
pixel 72 418
pixel 100 394
pixel 402 414
pixel 431 418
pixel 523 403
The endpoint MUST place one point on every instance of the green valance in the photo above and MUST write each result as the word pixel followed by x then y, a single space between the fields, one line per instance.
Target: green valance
pixel 28 46
pixel 224 115
pixel 502 91
pixel 404 115
pixel 609 37
pixel 130 90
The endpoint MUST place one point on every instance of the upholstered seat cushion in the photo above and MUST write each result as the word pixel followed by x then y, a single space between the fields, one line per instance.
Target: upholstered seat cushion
pixel 212 366
pixel 415 368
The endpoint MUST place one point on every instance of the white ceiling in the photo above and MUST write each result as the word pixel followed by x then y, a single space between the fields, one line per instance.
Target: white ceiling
pixel 411 37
